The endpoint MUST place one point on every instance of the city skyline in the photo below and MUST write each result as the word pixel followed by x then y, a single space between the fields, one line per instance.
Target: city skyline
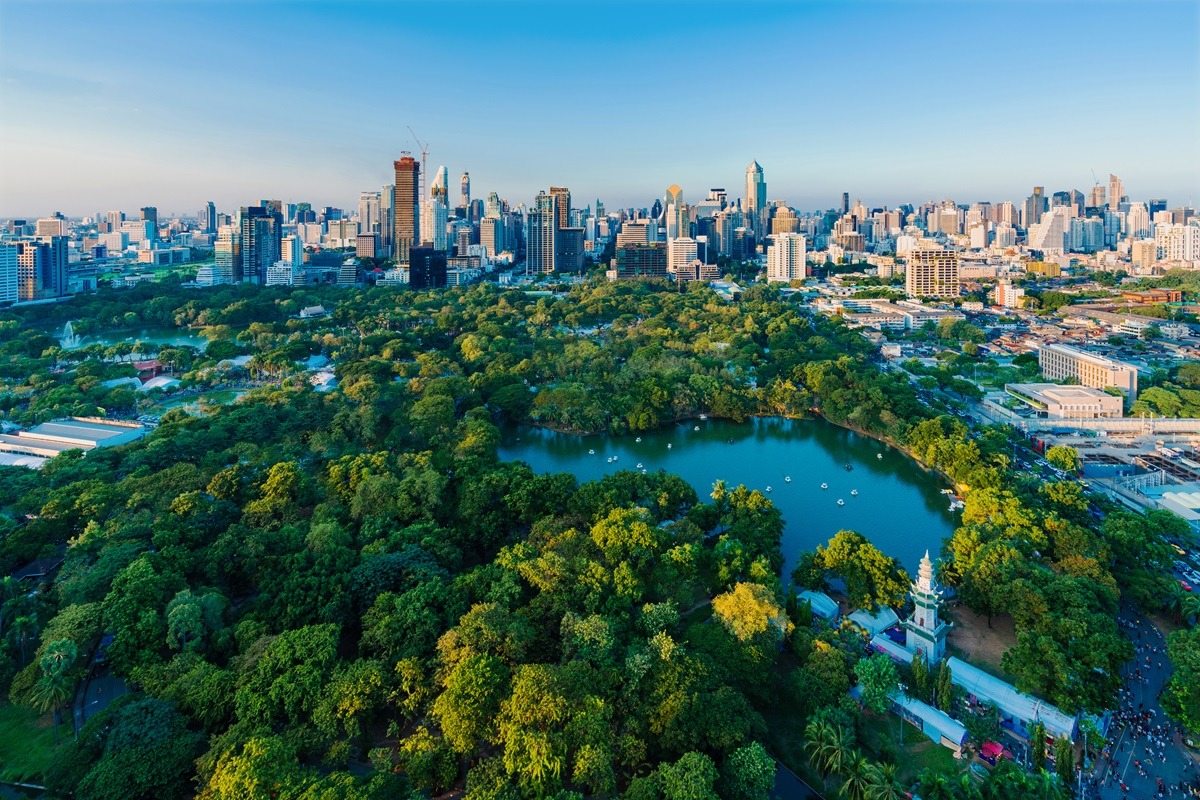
pixel 827 99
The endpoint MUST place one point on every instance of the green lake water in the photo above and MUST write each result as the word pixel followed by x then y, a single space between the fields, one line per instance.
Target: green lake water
pixel 899 506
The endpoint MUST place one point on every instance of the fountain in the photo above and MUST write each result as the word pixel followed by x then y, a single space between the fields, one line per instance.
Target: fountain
pixel 70 339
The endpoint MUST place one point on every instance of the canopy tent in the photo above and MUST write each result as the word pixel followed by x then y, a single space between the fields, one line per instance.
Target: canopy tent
pixel 875 623
pixel 1019 706
pixel 822 605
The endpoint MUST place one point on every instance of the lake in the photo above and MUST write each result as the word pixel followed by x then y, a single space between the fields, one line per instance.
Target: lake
pixel 166 337
pixel 899 506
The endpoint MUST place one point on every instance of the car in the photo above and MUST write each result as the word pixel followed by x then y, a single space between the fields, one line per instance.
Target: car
pixel 1187 587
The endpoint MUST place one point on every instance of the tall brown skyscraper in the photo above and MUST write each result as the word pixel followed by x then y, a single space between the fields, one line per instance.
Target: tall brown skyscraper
pixel 407 213
pixel 562 202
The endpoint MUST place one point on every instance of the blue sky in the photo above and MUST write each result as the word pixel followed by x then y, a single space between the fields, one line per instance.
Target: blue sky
pixel 122 104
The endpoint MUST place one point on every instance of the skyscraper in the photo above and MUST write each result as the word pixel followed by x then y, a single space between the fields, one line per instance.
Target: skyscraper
pixel 261 243
pixel 786 258
pixel 1035 206
pixel 677 216
pixel 369 208
pixel 406 211
pixel 208 218
pixel 845 203
pixel 562 206
pixel 756 195
pixel 466 190
pixel 1116 192
pixel 540 224
pixel 9 271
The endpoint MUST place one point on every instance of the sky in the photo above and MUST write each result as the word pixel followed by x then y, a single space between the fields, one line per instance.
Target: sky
pixel 115 105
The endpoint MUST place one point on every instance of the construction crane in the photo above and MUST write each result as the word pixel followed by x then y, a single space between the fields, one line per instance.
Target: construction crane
pixel 424 146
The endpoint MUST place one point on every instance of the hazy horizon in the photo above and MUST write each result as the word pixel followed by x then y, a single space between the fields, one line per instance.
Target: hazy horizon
pixel 171 105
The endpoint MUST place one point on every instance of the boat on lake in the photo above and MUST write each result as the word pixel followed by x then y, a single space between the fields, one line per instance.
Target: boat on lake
pixel 824 485
pixel 841 502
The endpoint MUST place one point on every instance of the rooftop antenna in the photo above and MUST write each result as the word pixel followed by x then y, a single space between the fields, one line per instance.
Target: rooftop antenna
pixel 424 158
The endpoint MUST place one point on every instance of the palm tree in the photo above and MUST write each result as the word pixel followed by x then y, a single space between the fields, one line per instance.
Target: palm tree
pixel 1189 609
pixel 883 783
pixel 858 777
pixel 51 692
pixel 934 785
pixel 23 629
pixel 829 748
pixel 1174 602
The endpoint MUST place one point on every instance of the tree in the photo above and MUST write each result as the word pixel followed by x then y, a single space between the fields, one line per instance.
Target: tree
pixel 858 777
pixel 878 680
pixel 751 610
pixel 1037 746
pixel 748 774
pixel 883 783
pixel 1064 761
pixel 692 777
pixel 829 747
pixel 51 693
pixel 1064 457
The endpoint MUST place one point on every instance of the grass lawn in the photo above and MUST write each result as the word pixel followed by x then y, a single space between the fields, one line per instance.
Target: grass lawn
pixel 26 743
pixel 918 752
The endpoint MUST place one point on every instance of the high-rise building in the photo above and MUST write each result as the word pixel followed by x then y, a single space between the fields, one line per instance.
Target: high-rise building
pixel 51 226
pixel 261 243
pixel 465 184
pixel 540 225
pixel 562 206
pixel 677 221
pixel 756 195
pixel 845 203
pixel 492 207
pixel 492 235
pixel 227 254
pixel 150 214
pixel 208 218
pixel 784 221
pixel 1035 206
pixel 406 211
pixel 786 258
pixel 1049 234
pixel 681 252
pixel 642 261
pixel 931 273
pixel 387 211
pixel 568 250
pixel 1137 221
pixel 42 268
pixel 426 268
pixel 634 232
pixel 291 250
pixel 1096 196
pixel 1116 192
pixel 370 207
pixel 9 271
pixel 115 218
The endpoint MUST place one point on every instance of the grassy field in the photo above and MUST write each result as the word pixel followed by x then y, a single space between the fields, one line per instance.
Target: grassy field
pixel 26 743
pixel 918 752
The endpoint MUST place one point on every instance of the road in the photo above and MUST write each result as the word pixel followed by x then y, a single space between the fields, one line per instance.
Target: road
pixel 101 690
pixel 1141 730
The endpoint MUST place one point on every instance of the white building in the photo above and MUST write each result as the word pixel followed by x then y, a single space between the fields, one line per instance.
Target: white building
pixel 785 258
pixel 681 252
pixel 1059 362
pixel 1178 242
pixel 932 273
pixel 1049 235
pixel 281 273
